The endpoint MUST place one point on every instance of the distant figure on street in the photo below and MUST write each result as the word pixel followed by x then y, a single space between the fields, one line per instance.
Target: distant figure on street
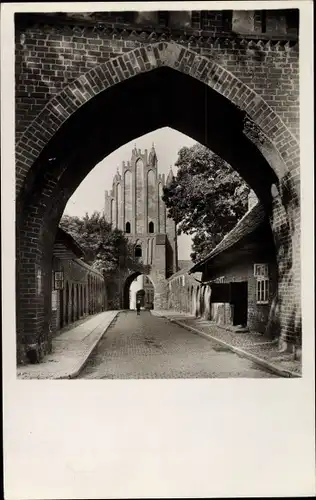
pixel 138 306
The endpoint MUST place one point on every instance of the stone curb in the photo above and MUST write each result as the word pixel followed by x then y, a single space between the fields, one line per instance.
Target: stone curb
pixel 259 361
pixel 84 361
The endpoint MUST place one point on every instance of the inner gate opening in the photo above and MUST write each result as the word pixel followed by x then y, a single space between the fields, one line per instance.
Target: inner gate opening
pixel 139 287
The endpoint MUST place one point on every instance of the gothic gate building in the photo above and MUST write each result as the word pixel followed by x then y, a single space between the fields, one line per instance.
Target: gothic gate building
pixel 135 206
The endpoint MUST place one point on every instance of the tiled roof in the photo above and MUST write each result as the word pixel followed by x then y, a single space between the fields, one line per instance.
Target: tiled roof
pixel 247 224
pixel 65 246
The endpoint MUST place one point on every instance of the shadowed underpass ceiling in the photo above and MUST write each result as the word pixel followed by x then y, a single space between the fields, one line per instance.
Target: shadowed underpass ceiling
pixel 143 103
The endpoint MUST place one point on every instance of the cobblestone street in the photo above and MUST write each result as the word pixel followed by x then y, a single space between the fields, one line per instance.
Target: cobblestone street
pixel 145 346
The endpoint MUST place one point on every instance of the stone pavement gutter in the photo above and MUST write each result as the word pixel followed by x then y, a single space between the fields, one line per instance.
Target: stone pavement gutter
pixel 253 346
pixel 71 349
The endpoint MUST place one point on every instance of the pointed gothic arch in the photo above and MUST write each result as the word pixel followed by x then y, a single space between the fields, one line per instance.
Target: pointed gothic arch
pixel 125 303
pixel 258 137
pixel 138 249
pixel 171 54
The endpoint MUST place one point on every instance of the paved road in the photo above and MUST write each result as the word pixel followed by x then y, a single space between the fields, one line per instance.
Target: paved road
pixel 146 346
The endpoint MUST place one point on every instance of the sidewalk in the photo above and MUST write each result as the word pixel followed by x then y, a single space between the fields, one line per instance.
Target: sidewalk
pixel 253 346
pixel 71 349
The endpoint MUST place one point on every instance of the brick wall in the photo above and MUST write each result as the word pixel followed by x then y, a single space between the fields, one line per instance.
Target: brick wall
pixel 258 314
pixel 181 292
pixel 47 61
pixel 59 68
pixel 185 294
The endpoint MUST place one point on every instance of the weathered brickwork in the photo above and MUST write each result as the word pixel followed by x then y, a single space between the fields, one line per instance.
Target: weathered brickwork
pixel 84 293
pixel 48 62
pixel 62 66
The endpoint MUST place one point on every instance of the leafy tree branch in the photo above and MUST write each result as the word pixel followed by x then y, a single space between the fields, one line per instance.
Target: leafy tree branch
pixel 206 198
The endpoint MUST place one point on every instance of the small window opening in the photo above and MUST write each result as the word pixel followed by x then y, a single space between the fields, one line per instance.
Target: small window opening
pixel 151 227
pixel 138 251
pixel 127 227
pixel 262 290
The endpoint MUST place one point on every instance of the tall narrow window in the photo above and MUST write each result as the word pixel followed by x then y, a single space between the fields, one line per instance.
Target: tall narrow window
pixel 138 251
pixel 127 227
pixel 262 275
pixel 262 290
pixel 151 227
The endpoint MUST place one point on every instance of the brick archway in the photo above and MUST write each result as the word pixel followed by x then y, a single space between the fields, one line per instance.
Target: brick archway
pixel 45 184
pixel 262 125
pixel 125 302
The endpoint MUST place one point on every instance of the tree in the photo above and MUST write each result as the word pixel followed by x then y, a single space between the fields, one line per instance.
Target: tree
pixel 106 249
pixel 206 198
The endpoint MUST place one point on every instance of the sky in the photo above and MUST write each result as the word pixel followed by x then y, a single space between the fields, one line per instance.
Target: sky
pixel 89 196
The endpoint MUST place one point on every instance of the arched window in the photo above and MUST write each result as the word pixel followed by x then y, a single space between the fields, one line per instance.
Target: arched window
pixel 138 251
pixel 127 227
pixel 151 227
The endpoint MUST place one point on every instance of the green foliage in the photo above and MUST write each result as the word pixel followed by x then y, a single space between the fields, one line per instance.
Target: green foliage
pixel 206 199
pixel 106 249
